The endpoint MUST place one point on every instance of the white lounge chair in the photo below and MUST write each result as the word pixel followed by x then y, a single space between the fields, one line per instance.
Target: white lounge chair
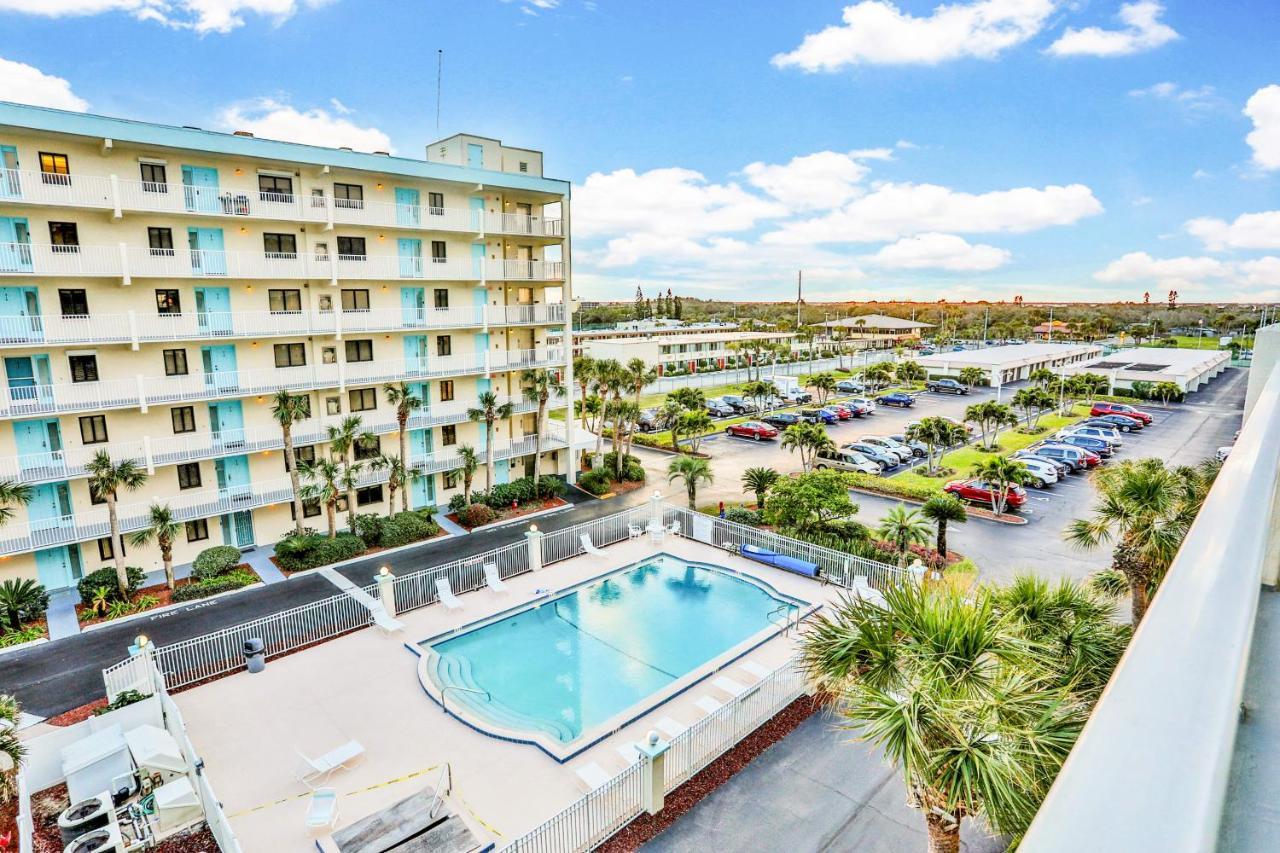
pixel 760 672
pixel 491 578
pixel 630 754
pixel 728 685
pixel 709 705
pixel 445 592
pixel 674 528
pixel 634 531
pixel 322 813
pixel 588 546
pixel 335 759
pixel 670 727
pixel 593 775
pixel 864 591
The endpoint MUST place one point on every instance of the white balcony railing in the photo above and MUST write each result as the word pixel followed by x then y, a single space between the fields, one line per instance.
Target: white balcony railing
pixel 20 185
pixel 518 270
pixel 27 535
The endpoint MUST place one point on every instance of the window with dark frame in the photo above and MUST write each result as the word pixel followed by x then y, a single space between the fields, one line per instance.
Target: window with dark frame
pixel 64 237
pixel 355 300
pixel 175 362
pixel 291 355
pixel 184 419
pixel 168 302
pixel 55 169
pixel 155 178
pixel 444 345
pixel 95 498
pixel 351 247
pixel 280 244
pixel 348 195
pixel 451 479
pixel 368 451
pixel 446 390
pixel 435 204
pixel 310 509
pixel 74 303
pixel 305 455
pixel 105 550
pixel 198 530
pixel 360 350
pixel 160 241
pixel 93 429
pixel 363 399
pixel 275 188
pixel 282 300
pixel 439 251
pixel 84 368
pixel 369 495
pixel 189 475
pixel 441 297
pixel 448 435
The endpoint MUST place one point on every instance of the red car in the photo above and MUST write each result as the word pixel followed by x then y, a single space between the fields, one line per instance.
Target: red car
pixel 981 492
pixel 840 411
pixel 752 429
pixel 1120 409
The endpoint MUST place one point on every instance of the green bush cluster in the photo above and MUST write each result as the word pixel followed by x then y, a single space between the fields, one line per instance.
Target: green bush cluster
pixel 234 579
pixel 742 515
pixel 106 577
pixel 891 486
pixel 400 529
pixel 476 515
pixel 632 470
pixel 297 553
pixel 595 482
pixel 502 495
pixel 24 635
pixel 215 561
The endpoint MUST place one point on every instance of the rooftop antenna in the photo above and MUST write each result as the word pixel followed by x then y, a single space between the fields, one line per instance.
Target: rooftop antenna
pixel 439 77
pixel 799 297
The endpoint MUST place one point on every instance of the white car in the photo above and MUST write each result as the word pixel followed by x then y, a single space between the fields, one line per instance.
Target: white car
pixel 896 448
pixel 1223 453
pixel 866 402
pixel 1042 473
pixel 1110 436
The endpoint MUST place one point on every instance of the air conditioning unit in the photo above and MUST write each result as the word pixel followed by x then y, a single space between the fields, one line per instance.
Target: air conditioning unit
pixel 105 839
pixel 86 815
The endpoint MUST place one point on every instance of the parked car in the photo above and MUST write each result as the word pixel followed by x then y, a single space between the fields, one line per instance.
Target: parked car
pixel 886 459
pixel 1224 452
pixel 781 420
pixel 1094 445
pixel 819 416
pixel 796 397
pixel 946 386
pixel 846 460
pixel 648 420
pixel 1040 473
pixel 1107 434
pixel 741 405
pixel 979 491
pixel 752 429
pixel 1061 466
pixel 841 413
pixel 859 410
pixel 1124 423
pixel 865 403
pixel 917 447
pixel 1079 457
pixel 901 451
pixel 1120 409
pixel 718 408
pixel 897 398
pixel 850 386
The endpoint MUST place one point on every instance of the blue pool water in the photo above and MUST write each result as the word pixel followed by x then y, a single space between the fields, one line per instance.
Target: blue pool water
pixel 574 662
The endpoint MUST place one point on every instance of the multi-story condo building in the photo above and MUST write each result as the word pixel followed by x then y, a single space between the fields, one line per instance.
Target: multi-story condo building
pixel 670 345
pixel 159 284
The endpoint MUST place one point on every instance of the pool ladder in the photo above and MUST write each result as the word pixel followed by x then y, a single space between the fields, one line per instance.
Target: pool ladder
pixel 790 623
pixel 445 692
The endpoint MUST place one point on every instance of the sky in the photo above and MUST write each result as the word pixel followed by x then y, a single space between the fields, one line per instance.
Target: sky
pixel 982 149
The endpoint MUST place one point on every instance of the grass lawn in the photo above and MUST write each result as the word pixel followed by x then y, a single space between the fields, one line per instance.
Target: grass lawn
pixel 1193 342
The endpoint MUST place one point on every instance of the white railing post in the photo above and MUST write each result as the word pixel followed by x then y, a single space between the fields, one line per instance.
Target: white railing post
pixel 125 278
pixel 133 329
pixel 116 213
pixel 146 454
pixel 655 511
pixel 387 590
pixel 653 772
pixel 533 539
pixel 142 393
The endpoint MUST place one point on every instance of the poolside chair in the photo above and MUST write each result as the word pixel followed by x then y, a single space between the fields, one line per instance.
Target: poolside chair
pixel 672 728
pixel 760 672
pixel 634 531
pixel 864 591
pixel 674 528
pixel 728 685
pixel 588 546
pixel 324 766
pixel 491 578
pixel 630 753
pixel 322 812
pixel 593 775
pixel 709 705
pixel 445 592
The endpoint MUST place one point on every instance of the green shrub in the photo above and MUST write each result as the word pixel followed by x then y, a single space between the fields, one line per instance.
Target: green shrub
pixel 476 515
pixel 369 529
pixel 457 503
pixel 611 461
pixel 125 697
pixel 405 527
pixel 502 495
pixel 234 579
pixel 742 515
pixel 595 482
pixel 551 487
pixel 891 486
pixel 296 553
pixel 16 638
pixel 215 561
pixel 106 577
pixel 633 472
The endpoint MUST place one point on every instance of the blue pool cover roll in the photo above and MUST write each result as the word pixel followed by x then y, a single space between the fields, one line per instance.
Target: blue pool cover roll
pixel 781 561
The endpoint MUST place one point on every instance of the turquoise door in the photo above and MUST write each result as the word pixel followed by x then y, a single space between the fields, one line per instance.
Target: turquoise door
pixel 213 310
pixel 422 391
pixel 219 366
pixel 502 470
pixel 20 315
pixel 49 510
pixel 415 353
pixel 200 189
pixel 59 568
pixel 226 421
pixel 475 156
pixel 39 444
pixel 207 255
pixel 422 488
pixel 410 252
pixel 476 203
pixel 408 212
pixel 413 306
pixel 477 265
pixel 233 477
pixel 237 529
pixel 29 379
pixel 15 244
pixel 10 180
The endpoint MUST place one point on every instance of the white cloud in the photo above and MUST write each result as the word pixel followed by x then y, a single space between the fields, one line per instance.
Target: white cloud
pixel 1264 109
pixel 814 181
pixel 203 16
pixel 1263 272
pixel 1166 272
pixel 892 211
pixel 940 251
pixel 875 32
pixel 274 120
pixel 1199 98
pixel 1143 31
pixel 27 84
pixel 1247 231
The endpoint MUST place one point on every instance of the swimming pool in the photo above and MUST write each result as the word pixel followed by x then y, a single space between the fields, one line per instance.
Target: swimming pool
pixel 566 665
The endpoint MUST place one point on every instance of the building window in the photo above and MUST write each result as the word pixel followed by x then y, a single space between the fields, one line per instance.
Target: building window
pixel 351 247
pixel 448 435
pixel 435 204
pixel 275 188
pixel 154 178
pixel 372 450
pixel 161 242
pixel 321 251
pixel 451 479
pixel 189 475
pixel 446 390
pixel 363 399
pixel 310 509
pixel 349 195
pixel 64 236
pixel 444 345
pixel 369 495
pixel 442 297
pixel 305 455
pixel 184 419
pixel 198 530
pixel 280 301
pixel 167 302
pixel 175 362
pixel 55 169
pixel 439 251
pixel 105 550
pixel 359 350
pixel 280 244
pixel 291 355
pixel 93 429
pixel 355 300
pixel 74 303
pixel 84 368
pixel 524 166
pixel 332 405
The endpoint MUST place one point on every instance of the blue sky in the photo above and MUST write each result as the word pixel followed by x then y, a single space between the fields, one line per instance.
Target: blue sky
pixel 1058 150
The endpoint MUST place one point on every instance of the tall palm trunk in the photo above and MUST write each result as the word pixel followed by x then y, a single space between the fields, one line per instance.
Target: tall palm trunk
pixel 942 537
pixel 488 454
pixel 291 464
pixel 403 420
pixel 117 545
pixel 166 557
pixel 391 495
pixel 537 443
pixel 944 837
pixel 348 460
pixel 331 510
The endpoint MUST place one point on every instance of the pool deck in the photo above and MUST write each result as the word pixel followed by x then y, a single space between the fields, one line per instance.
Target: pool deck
pixel 365 687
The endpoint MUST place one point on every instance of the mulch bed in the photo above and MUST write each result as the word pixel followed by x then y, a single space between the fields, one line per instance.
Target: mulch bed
pixel 644 828
pixel 47 804
pixel 161 591
pixel 508 514
pixel 76 715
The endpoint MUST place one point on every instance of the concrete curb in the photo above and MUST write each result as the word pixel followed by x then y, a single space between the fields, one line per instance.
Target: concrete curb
pixel 28 644
pixel 132 617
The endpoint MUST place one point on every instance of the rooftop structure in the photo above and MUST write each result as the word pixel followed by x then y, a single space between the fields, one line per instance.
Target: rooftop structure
pixel 1003 364
pixel 688 348
pixel 1189 369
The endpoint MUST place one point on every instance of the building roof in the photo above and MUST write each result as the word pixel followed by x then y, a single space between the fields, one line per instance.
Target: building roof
pixel 1157 360
pixel 724 335
pixel 1011 355
pixel 876 321
pixel 196 139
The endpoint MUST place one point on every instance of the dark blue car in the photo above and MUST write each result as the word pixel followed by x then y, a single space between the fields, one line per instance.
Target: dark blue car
pixel 897 398
pixel 820 416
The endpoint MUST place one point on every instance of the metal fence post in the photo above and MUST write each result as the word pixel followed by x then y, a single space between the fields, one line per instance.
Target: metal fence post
pixel 534 540
pixel 653 772
pixel 387 590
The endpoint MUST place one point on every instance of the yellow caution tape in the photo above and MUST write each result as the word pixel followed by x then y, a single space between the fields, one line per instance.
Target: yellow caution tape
pixel 273 803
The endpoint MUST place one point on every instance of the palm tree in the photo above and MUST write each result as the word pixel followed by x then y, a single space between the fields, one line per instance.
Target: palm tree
pixel 878 374
pixel 584 373
pixel 806 337
pixel 934 433
pixel 954 695
pixel 669 417
pixel 808 439
pixel 106 476
pixel 1042 376
pixel 325 478
pixel 759 480
pixel 628 415
pixel 539 386
pixel 692 471
pixel 288 409
pixel 1033 402
pixel 695 424
pixel 405 402
pixel 12 750
pixel 397 477
pixel 824 384
pixel 344 439
pixel 639 375
pixel 607 384
pixel 162 528
pixel 990 416
pixel 489 411
pixel 941 510
pixel 22 598
pixel 1001 474
pixel 12 493
pixel 470 464
pixel 910 371
pixel 971 376
pixel 904 528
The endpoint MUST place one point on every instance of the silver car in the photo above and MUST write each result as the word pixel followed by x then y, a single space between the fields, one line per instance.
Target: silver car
pixel 1111 436
pixel 903 452
pixel 846 460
